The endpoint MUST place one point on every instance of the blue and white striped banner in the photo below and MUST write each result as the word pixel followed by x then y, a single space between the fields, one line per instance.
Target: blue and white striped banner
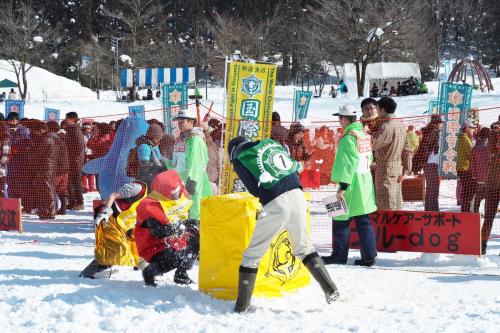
pixel 151 77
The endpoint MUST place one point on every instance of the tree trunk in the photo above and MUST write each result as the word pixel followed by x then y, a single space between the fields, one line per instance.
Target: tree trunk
pixel 286 69
pixel 360 77
pixel 24 91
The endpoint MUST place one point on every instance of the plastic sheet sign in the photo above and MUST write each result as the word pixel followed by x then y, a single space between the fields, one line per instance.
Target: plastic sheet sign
pixel 301 104
pixel 14 105
pixel 10 214
pixel 175 98
pixel 52 114
pixel 429 232
pixel 454 100
pixel 250 97
pixel 137 111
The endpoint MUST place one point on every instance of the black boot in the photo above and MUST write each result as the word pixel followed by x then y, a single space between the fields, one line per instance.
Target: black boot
pixel 93 268
pixel 62 209
pixel 246 283
pixel 368 262
pixel 316 267
pixel 149 274
pixel 181 277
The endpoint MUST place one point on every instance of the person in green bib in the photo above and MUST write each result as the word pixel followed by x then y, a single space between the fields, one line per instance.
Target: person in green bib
pixel 352 172
pixel 268 172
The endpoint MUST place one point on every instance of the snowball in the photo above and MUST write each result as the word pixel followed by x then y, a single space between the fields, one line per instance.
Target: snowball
pixel 38 39
pixel 55 55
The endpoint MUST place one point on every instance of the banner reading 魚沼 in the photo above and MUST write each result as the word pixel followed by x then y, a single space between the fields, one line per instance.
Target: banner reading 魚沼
pixel 250 97
pixel 454 100
pixel 175 98
pixel 301 104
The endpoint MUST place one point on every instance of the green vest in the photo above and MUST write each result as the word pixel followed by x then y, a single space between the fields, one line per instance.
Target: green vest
pixel 352 166
pixel 269 162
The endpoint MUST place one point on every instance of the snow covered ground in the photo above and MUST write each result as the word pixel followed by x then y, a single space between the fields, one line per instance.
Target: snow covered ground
pixel 406 292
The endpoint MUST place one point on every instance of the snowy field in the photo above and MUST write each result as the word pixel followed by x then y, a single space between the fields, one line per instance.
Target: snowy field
pixel 406 292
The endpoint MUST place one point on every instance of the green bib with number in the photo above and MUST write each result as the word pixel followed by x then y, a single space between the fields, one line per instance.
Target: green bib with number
pixel 269 162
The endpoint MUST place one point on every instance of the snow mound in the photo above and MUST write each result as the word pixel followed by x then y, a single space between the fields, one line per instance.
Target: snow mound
pixel 42 82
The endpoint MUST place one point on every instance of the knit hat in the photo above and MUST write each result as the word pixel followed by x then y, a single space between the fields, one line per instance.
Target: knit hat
pixel 154 132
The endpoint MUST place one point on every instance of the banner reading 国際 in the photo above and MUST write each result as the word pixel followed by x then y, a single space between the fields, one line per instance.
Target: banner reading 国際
pixel 250 97
pixel 454 100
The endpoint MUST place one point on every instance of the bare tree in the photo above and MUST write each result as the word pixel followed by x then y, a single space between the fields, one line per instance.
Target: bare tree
pixel 26 39
pixel 362 31
pixel 99 65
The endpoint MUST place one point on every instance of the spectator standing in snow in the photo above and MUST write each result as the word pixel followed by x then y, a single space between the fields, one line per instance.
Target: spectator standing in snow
pixel 75 144
pixel 492 184
pixel 284 207
pixel 88 181
pixel 61 180
pixel 480 161
pixel 413 141
pixel 389 144
pixel 17 166
pixel 427 157
pixel 190 159
pixel 278 132
pixel 12 94
pixel 296 145
pixel 352 172
pixel 45 153
pixel 4 155
pixel 149 157
pixel 464 151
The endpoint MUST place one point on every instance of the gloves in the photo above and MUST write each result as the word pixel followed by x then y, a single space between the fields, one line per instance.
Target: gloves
pixel 104 215
pixel 190 186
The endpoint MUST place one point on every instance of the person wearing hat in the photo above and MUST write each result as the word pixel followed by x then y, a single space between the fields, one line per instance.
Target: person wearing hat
pixel 190 159
pixel 75 144
pixel 351 172
pixel 464 151
pixel 17 165
pixel 150 161
pixel 390 146
pixel 276 183
pixel 427 158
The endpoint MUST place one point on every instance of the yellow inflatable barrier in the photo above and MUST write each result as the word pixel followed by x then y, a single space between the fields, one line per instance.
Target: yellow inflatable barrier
pixel 226 227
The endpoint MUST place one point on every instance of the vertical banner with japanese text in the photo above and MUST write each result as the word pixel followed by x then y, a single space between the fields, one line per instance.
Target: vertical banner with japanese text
pixel 14 105
pixel 52 114
pixel 433 107
pixel 250 97
pixel 301 104
pixel 454 100
pixel 175 98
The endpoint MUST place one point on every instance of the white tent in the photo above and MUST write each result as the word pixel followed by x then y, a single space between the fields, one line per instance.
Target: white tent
pixel 378 73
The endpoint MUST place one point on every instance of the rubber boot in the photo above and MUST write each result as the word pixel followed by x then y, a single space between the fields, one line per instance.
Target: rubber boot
pixel 316 267
pixel 246 283
pixel 150 272
pixel 181 277
pixel 64 202
pixel 92 269
pixel 484 245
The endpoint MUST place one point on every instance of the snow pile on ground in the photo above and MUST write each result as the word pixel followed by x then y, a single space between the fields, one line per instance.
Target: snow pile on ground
pixel 43 83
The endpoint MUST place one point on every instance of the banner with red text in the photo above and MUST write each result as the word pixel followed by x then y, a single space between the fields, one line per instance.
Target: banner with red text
pixel 430 232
